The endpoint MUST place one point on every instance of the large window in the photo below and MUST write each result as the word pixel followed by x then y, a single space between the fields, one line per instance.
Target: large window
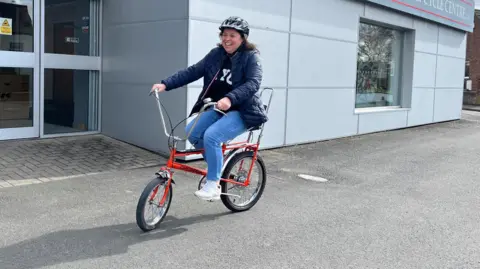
pixel 71 101
pixel 16 97
pixel 379 65
pixel 16 25
pixel 71 27
pixel 71 66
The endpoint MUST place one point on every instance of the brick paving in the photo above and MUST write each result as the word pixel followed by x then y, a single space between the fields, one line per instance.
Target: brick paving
pixel 41 160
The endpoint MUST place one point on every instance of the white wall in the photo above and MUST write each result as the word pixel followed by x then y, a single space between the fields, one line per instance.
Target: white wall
pixel 206 16
pixel 309 51
pixel 309 56
pixel 438 74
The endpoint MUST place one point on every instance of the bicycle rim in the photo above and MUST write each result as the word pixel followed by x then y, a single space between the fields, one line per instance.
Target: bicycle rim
pixel 237 170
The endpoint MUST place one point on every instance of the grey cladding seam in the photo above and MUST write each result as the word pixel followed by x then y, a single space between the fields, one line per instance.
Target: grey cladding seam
pixel 285 120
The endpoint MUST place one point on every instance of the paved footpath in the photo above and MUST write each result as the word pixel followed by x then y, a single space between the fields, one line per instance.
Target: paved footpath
pixel 24 162
pixel 402 199
pixel 471 108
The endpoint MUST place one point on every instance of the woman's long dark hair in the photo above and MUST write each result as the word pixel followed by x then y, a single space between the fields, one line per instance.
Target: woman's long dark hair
pixel 249 45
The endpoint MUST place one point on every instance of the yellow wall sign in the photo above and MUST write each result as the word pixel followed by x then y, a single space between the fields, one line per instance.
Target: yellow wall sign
pixel 6 28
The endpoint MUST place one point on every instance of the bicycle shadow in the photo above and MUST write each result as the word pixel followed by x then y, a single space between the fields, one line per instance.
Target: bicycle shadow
pixel 73 245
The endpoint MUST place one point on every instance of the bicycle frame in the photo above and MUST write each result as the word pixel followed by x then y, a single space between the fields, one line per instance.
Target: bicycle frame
pixel 166 171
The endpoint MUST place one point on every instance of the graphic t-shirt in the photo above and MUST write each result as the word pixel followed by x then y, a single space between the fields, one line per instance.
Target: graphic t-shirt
pixel 222 84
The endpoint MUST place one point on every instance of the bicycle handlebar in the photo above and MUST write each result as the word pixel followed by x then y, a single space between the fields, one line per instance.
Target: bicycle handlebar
pixel 207 103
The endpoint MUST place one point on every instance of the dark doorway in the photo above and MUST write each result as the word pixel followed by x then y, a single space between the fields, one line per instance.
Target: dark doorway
pixel 61 107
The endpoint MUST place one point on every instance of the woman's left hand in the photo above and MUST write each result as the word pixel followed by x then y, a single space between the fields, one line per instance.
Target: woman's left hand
pixel 224 104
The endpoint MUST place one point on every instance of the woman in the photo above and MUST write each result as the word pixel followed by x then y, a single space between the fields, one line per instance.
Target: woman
pixel 232 75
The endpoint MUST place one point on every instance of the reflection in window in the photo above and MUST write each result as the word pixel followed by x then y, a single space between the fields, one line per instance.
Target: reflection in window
pixel 378 66
pixel 71 27
pixel 16 22
pixel 467 82
pixel 70 101
pixel 16 97
pixel 467 69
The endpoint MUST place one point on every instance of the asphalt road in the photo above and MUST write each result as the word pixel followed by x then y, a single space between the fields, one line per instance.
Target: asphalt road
pixel 403 199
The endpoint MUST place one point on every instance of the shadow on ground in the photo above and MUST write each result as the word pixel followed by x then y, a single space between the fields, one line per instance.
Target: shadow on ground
pixel 73 245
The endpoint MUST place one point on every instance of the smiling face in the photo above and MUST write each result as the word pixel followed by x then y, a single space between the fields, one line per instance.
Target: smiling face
pixel 231 40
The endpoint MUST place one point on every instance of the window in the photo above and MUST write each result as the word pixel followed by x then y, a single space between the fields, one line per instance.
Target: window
pixel 72 27
pixel 467 82
pixel 71 101
pixel 379 66
pixel 16 32
pixel 467 69
pixel 16 97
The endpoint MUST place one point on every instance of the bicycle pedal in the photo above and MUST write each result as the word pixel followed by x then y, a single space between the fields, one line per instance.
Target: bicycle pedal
pixel 229 194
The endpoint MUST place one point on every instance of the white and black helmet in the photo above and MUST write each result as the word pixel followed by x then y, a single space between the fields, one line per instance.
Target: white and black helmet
pixel 236 23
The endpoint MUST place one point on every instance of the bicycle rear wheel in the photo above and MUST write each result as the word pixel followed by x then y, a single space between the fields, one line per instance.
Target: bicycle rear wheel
pixel 237 170
pixel 155 197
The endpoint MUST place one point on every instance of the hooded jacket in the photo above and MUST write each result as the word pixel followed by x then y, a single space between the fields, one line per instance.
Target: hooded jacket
pixel 246 80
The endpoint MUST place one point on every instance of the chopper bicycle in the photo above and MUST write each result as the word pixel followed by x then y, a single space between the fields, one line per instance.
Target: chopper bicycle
pixel 241 161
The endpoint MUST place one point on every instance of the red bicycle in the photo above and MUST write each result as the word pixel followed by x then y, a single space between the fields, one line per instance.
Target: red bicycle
pixel 236 175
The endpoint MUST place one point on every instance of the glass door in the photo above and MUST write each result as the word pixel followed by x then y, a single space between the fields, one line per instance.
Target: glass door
pixel 70 67
pixel 19 69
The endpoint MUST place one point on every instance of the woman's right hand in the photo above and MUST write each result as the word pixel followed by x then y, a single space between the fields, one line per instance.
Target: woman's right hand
pixel 158 88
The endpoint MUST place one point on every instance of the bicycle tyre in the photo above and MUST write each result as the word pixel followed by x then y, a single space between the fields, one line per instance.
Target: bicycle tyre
pixel 140 212
pixel 226 173
pixel 201 183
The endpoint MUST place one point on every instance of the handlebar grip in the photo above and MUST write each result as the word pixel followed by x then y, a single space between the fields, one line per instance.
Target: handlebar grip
pixel 154 91
pixel 208 102
pixel 218 110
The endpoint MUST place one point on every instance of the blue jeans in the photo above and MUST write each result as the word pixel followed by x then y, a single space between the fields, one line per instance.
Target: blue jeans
pixel 211 130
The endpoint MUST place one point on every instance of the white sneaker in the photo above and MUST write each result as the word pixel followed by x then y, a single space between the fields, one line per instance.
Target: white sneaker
pixel 210 191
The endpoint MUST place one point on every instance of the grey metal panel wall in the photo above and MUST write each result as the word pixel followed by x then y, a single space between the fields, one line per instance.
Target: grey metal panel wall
pixel 309 51
pixel 143 42
pixel 311 64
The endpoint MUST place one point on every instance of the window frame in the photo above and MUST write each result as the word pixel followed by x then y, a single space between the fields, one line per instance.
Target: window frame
pixel 406 66
pixel 76 62
pixel 93 24
pixel 35 29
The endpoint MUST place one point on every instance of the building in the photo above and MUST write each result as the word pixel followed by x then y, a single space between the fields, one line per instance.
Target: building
pixel 471 95
pixel 50 66
pixel 338 67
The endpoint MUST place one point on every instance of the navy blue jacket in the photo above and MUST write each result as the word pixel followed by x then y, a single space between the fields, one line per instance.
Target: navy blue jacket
pixel 246 79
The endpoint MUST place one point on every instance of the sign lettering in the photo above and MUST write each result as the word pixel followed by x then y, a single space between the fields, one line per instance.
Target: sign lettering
pixel 454 13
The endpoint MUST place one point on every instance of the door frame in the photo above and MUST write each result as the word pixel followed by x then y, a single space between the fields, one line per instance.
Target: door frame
pixel 72 62
pixel 26 60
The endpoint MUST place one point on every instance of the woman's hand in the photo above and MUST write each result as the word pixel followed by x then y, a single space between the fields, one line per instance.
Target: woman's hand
pixel 224 104
pixel 158 87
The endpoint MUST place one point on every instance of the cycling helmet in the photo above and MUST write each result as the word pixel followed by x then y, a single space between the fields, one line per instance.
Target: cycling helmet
pixel 236 23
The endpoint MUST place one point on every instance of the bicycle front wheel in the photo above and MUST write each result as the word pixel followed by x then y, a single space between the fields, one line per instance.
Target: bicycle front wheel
pixel 236 197
pixel 153 204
